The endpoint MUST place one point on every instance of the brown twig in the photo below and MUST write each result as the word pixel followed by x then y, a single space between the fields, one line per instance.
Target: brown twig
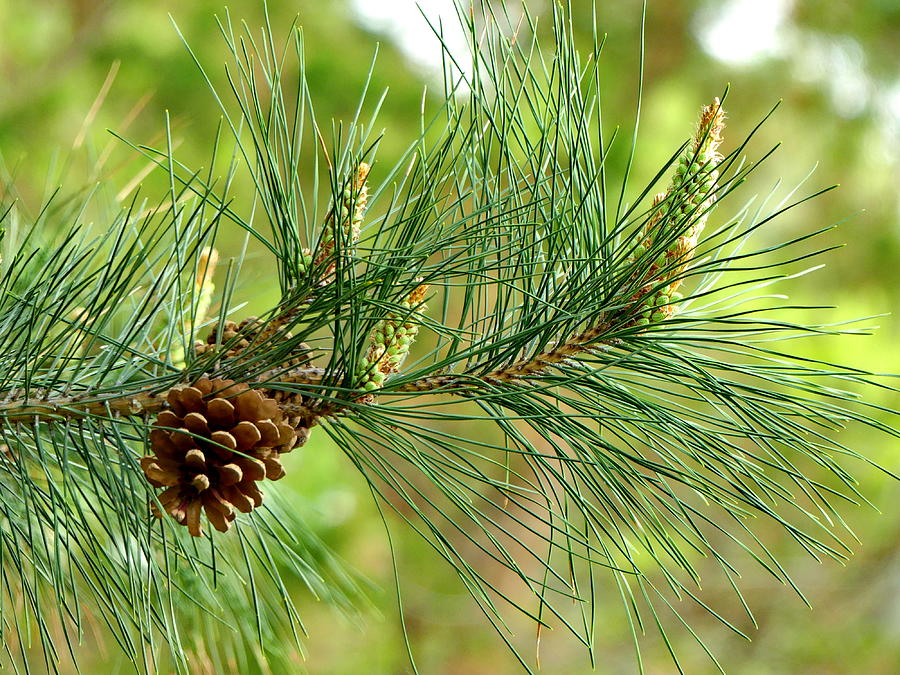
pixel 30 411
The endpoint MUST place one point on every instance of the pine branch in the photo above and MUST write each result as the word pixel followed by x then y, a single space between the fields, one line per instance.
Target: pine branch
pixel 628 357
pixel 695 172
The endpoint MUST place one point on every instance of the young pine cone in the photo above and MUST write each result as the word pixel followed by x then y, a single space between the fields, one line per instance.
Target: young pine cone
pixel 211 449
pixel 238 336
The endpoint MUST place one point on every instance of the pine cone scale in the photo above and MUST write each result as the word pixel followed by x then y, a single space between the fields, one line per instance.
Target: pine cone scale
pixel 196 424
pixel 200 482
pixel 182 440
pixel 269 433
pixel 224 442
pixel 192 517
pixel 195 459
pixel 247 435
pixel 252 469
pixel 230 474
pixel 220 413
pixel 168 419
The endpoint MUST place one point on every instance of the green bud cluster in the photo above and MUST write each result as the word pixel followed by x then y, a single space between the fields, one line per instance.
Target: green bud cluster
pixel 658 307
pixel 389 344
pixel 684 206
pixel 306 260
pixel 347 214
pixel 695 178
pixel 349 211
pixel 696 174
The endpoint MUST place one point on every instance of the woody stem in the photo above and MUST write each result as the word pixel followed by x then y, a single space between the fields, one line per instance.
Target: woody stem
pixel 31 411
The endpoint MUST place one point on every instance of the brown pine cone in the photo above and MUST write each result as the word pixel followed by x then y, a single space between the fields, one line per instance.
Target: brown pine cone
pixel 211 449
pixel 248 331
pixel 288 400
pixel 230 330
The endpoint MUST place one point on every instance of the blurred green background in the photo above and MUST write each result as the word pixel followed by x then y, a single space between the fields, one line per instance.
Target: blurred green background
pixel 835 64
